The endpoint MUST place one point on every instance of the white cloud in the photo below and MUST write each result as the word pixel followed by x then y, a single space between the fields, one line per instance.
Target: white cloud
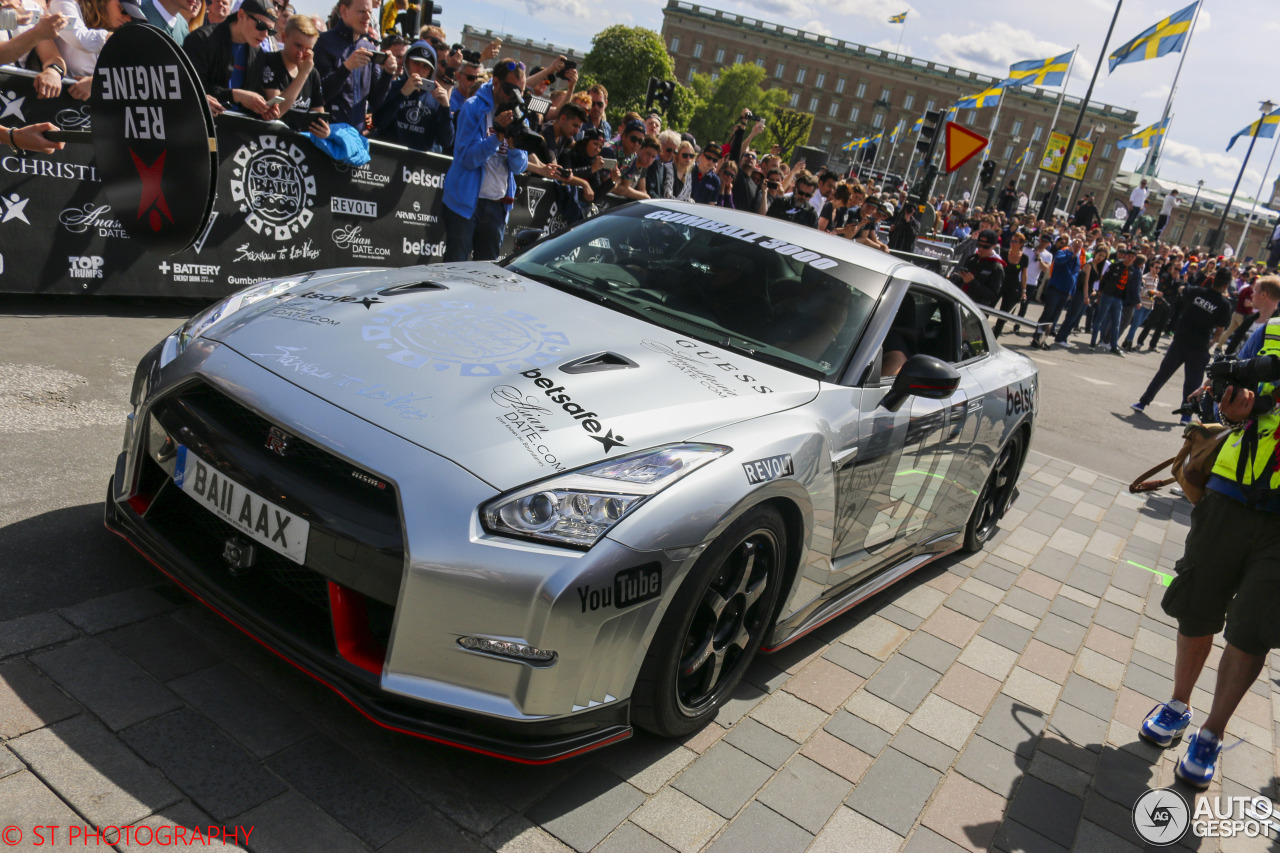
pixel 993 48
pixel 1219 168
pixel 816 26
pixel 570 8
pixel 874 10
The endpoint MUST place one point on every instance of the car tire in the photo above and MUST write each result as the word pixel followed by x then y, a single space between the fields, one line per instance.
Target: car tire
pixel 997 493
pixel 716 624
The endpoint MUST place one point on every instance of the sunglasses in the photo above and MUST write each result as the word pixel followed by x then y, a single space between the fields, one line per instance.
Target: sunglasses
pixel 262 25
pixel 598 104
pixel 635 140
pixel 800 194
pixel 668 150
pixel 512 66
pixel 687 155
pixel 469 76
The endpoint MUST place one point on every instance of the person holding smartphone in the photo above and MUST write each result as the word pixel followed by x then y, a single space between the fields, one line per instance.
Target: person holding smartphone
pixel 416 113
pixel 289 78
pixel 223 54
pixel 355 76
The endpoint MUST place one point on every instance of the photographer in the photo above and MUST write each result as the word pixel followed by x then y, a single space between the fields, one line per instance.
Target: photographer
pixel 1229 573
pixel 480 186
pixel 353 83
pixel 982 275
pixel 541 80
pixel 627 153
pixel 416 113
pixel 290 73
pixel 1204 313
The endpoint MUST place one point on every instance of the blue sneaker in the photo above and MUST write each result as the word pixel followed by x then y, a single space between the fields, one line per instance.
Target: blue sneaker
pixel 1197 767
pixel 1165 725
pixel 1138 407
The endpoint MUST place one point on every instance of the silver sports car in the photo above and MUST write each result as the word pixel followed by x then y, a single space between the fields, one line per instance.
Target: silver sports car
pixel 521 507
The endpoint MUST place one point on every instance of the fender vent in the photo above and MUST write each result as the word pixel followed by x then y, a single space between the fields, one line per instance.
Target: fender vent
pixel 598 362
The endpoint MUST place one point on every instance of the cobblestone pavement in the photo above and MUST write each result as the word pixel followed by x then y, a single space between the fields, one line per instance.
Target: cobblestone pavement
pixel 985 703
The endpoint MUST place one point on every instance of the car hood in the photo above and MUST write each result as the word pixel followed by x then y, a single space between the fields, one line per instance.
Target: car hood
pixel 509 378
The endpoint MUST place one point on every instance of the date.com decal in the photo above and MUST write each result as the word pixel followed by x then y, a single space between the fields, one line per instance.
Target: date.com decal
pixel 1162 816
pixel 122 836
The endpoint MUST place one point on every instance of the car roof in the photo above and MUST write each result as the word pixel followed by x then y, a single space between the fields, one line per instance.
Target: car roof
pixel 802 235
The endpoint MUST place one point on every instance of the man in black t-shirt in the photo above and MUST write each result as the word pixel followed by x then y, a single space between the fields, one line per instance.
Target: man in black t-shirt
pixel 1205 312
pixel 291 73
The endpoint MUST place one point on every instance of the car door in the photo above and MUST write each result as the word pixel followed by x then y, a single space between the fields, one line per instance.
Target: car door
pixel 901 482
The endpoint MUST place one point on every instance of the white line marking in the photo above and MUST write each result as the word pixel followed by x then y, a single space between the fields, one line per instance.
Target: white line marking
pixel 1094 381
pixel 1043 361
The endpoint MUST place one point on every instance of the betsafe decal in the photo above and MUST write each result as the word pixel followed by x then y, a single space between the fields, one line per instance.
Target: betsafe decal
pixel 589 421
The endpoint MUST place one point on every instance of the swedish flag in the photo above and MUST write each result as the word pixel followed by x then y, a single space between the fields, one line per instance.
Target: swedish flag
pixel 919 124
pixel 1039 72
pixel 855 144
pixel 1146 137
pixel 899 19
pixel 989 98
pixel 1023 155
pixel 1264 127
pixel 1165 37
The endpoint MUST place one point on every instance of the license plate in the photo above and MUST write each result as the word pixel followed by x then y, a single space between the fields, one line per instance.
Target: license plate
pixel 252 514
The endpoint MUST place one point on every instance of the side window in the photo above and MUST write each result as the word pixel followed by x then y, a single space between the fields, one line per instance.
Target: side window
pixel 925 323
pixel 973 334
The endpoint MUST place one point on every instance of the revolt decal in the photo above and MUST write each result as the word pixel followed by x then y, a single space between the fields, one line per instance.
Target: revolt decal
pixel 765 470
pixel 589 421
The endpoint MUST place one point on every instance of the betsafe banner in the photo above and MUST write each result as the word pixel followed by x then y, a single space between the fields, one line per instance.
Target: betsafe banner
pixel 281 206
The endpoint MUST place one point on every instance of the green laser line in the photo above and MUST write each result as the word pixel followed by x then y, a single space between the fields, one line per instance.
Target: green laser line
pixel 1164 577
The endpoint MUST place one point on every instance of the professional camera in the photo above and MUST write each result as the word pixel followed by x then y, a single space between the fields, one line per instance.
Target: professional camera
pixel 517 131
pixel 569 65
pixel 1248 373
pixel 472 56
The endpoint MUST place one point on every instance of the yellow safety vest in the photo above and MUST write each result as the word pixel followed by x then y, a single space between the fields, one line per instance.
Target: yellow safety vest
pixel 1264 456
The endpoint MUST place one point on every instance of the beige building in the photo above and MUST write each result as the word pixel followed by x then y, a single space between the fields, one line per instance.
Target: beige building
pixel 855 91
pixel 524 50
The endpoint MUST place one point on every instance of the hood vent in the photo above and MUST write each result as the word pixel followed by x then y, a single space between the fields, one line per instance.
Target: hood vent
pixel 598 362
pixel 412 287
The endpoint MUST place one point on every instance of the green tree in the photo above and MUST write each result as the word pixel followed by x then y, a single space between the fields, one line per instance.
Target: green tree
pixel 623 59
pixel 724 99
pixel 789 128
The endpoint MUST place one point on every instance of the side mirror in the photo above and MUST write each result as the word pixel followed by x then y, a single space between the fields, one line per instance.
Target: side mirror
pixel 525 238
pixel 922 376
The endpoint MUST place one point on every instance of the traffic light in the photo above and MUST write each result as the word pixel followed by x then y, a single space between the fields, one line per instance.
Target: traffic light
pixel 929 132
pixel 987 172
pixel 430 12
pixel 659 94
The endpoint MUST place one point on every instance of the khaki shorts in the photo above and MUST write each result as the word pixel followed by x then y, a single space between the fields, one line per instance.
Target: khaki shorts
pixel 1229 574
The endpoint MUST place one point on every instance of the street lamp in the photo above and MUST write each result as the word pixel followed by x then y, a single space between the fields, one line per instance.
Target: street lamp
pixel 1220 236
pixel 1191 210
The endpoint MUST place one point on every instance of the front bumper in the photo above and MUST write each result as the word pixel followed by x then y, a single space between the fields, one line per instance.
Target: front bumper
pixel 421 575
pixel 535 742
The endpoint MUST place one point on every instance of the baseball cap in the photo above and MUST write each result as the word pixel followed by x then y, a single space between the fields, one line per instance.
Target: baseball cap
pixel 258 7
pixel 422 52
pixel 988 237
pixel 633 125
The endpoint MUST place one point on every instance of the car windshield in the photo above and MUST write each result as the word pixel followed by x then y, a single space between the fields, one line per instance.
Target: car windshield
pixel 688 271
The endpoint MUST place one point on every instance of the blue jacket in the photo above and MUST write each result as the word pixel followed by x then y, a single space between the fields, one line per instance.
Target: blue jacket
pixel 348 94
pixel 472 146
pixel 1066 267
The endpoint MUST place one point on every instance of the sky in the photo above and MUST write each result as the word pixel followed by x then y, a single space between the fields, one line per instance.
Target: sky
pixel 1231 62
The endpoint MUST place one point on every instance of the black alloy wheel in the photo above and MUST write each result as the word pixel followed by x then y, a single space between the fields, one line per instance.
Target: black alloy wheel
pixel 713 629
pixel 997 493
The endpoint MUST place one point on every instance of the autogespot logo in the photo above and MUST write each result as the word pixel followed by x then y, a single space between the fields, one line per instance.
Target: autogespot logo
pixel 1161 816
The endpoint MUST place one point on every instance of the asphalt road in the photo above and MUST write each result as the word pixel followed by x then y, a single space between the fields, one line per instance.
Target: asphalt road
pixel 65 371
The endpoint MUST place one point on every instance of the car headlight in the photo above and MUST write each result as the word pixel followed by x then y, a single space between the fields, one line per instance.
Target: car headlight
pixel 578 508
pixel 200 323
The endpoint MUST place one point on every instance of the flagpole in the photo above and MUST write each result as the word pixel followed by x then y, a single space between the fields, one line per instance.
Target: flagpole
pixel 902 32
pixel 897 131
pixel 1058 109
pixel 1152 162
pixel 1046 209
pixel 1220 236
pixel 1253 208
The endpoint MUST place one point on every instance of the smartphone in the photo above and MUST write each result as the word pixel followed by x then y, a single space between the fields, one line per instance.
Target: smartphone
pixel 609 163
pixel 377 57
pixel 278 99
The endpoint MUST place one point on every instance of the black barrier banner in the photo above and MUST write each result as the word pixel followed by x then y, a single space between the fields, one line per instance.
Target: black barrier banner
pixel 283 207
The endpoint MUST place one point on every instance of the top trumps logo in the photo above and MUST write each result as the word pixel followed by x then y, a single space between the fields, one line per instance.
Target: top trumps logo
pixel 274 187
